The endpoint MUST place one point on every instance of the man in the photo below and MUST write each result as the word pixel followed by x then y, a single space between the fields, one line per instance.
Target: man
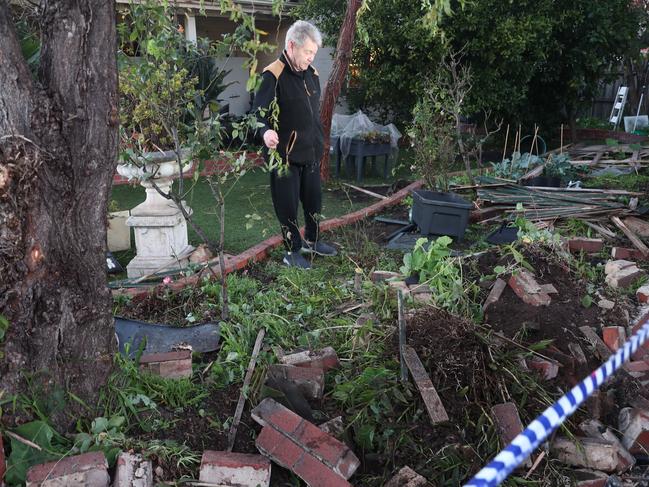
pixel 294 84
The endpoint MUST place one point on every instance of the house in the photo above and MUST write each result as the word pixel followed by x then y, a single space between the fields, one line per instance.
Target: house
pixel 212 24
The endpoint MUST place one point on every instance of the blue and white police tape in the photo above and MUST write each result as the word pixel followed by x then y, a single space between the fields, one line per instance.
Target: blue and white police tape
pixel 525 443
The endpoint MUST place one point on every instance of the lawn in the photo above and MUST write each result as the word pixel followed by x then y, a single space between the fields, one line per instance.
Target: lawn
pixel 250 196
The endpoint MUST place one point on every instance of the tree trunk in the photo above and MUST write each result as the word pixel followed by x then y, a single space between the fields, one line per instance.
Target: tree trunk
pixel 58 152
pixel 336 78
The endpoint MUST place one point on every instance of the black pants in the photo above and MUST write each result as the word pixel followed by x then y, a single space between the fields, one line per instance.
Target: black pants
pixel 300 184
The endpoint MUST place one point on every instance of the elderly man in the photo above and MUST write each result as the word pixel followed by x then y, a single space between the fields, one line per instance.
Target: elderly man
pixel 294 84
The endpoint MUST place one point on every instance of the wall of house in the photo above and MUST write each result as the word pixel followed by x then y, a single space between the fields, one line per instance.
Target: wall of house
pixel 236 95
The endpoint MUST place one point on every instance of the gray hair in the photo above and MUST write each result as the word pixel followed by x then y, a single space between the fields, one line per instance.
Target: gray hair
pixel 300 30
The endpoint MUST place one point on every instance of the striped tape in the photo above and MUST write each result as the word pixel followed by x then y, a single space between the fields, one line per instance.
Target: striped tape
pixel 525 443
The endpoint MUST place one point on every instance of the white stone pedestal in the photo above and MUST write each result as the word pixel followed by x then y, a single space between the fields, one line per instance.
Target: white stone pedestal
pixel 159 226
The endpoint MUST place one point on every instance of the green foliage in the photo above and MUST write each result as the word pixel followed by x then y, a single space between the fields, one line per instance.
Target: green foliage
pixel 435 267
pixel 24 456
pixel 371 397
pixel 432 135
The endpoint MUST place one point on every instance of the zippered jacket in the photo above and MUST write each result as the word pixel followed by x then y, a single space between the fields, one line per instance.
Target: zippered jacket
pixel 299 128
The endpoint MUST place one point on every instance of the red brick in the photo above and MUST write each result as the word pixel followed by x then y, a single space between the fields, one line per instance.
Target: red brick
pixel 507 420
pixel 327 449
pixel 165 357
pixel 278 447
pixel 642 294
pixel 614 337
pixel 323 359
pixel 547 368
pixel 271 413
pixel 243 469
pixel 628 254
pixel 637 366
pixel 589 453
pixel 624 278
pixel 84 469
pixel 317 474
pixel 526 288
pixel 171 365
pixel 589 245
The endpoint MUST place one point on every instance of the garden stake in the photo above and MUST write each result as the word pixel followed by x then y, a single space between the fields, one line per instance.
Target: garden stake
pixel 358 280
pixel 561 143
pixel 402 337
pixel 506 139
pixel 246 383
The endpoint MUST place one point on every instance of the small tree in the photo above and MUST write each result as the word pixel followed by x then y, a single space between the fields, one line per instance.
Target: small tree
pixel 169 102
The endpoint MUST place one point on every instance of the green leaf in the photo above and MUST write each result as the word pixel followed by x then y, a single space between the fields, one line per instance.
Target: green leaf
pixel 24 456
pixel 499 269
pixel 99 425
pixel 586 301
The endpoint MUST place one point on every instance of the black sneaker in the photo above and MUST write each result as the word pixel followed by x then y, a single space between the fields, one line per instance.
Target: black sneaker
pixel 318 248
pixel 294 259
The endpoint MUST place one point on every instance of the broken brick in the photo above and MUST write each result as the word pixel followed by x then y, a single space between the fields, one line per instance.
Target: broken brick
pixel 240 469
pixel 507 420
pixel 407 477
pixel 625 278
pixel 637 367
pixel 547 368
pixel 595 429
pixel 171 365
pixel 634 425
pixel 86 469
pixel 614 337
pixel 588 245
pixel 589 453
pixel 606 304
pixel 133 470
pixel 616 266
pixel 600 348
pixel 323 359
pixel 307 436
pixel 577 353
pixel 642 294
pixel 334 427
pixel 590 478
pixel 623 253
pixel 526 288
pixel 288 454
pixel 309 381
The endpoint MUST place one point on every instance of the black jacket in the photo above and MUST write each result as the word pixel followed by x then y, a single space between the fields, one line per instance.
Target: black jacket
pixel 298 96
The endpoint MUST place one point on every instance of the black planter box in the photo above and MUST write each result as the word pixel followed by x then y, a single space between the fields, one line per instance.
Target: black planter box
pixel 438 213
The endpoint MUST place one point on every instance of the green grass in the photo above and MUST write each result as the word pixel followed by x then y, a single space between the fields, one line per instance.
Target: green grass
pixel 250 196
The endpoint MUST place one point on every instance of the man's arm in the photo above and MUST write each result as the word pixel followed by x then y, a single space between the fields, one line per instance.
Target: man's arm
pixel 261 104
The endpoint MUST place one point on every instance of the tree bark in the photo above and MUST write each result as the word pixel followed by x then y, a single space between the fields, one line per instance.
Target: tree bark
pixel 336 78
pixel 58 152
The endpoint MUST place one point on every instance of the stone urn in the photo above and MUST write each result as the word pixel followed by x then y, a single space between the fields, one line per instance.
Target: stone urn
pixel 159 225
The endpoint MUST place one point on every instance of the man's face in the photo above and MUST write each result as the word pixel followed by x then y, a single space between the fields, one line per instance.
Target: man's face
pixel 302 56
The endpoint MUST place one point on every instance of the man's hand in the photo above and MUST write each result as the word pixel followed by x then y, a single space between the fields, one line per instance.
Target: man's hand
pixel 271 139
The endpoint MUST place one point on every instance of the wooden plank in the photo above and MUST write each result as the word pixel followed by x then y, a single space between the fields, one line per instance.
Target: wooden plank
pixel 605 232
pixel 433 403
pixel 631 236
pixel 244 389
pixel 494 294
pixel 402 335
